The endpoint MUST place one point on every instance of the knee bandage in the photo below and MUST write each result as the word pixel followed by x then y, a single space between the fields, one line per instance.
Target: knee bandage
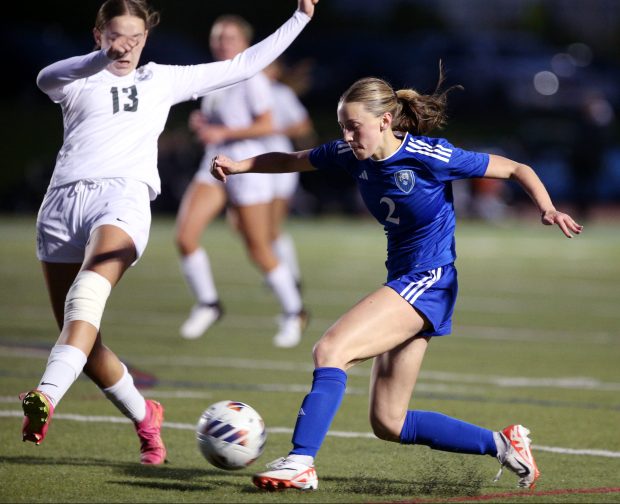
pixel 87 297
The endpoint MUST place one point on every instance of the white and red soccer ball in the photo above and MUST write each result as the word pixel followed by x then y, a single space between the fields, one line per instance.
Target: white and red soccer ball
pixel 231 435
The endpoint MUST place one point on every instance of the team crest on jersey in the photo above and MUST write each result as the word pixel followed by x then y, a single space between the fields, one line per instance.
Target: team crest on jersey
pixel 143 74
pixel 405 180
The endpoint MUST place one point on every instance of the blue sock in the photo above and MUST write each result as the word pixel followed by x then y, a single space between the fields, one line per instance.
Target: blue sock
pixel 318 410
pixel 445 433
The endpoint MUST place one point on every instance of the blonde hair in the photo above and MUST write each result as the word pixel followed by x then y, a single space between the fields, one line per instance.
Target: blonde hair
pixel 412 111
pixel 244 27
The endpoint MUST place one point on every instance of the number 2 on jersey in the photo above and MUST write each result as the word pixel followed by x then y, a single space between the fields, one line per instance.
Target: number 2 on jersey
pixel 131 104
pixel 391 207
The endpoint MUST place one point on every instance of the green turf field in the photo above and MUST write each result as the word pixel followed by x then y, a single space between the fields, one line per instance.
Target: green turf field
pixel 536 341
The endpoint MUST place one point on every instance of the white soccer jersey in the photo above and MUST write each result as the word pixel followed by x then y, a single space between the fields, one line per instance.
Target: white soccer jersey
pixel 112 124
pixel 237 107
pixel 287 110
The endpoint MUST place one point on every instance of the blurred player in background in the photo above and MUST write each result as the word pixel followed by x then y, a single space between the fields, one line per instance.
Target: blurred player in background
pixel 405 179
pixel 234 120
pixel 293 129
pixel 95 218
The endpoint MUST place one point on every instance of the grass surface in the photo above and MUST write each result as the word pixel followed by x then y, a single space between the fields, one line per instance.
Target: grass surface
pixel 536 341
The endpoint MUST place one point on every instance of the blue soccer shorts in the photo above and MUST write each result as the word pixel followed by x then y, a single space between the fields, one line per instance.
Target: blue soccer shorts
pixel 433 293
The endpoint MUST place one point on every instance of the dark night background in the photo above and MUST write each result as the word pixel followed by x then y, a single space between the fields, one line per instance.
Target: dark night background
pixel 530 68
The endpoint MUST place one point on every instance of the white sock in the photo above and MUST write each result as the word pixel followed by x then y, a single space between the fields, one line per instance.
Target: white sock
pixel 64 365
pixel 283 285
pixel 197 271
pixel 126 397
pixel 284 248
pixel 302 459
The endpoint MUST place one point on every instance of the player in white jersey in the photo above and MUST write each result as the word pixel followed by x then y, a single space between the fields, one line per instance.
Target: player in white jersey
pixel 95 217
pixel 293 127
pixel 233 120
pixel 404 178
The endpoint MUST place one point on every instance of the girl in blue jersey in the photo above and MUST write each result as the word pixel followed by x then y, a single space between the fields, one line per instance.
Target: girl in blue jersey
pixel 405 180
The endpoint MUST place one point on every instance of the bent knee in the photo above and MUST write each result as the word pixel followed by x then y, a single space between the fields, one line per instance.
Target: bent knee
pixel 186 245
pixel 262 256
pixel 385 428
pixel 327 352
pixel 86 298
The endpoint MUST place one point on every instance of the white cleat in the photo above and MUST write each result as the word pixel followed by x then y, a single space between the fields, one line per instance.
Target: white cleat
pixel 517 456
pixel 200 319
pixel 285 473
pixel 291 329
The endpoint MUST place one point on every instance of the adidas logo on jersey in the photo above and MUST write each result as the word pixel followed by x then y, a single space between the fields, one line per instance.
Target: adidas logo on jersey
pixel 364 175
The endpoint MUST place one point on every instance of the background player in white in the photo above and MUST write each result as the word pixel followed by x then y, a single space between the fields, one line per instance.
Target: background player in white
pixel 405 181
pixel 293 128
pixel 233 120
pixel 95 217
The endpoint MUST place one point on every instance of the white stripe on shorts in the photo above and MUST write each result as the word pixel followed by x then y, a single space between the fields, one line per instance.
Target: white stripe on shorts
pixel 415 289
pixel 414 285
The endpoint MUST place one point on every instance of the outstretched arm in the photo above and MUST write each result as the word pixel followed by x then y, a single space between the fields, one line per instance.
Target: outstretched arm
pixel 202 79
pixel 271 162
pixel 504 168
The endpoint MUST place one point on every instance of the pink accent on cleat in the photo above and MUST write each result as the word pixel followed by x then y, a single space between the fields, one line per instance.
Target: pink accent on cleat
pixel 152 449
pixel 285 473
pixel 518 457
pixel 38 411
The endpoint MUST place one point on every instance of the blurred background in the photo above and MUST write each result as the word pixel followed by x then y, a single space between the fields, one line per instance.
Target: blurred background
pixel 541 85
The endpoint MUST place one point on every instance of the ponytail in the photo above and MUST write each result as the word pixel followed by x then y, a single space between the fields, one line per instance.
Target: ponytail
pixel 420 114
pixel 411 111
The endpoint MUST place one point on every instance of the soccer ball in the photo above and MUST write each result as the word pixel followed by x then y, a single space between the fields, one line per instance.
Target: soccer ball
pixel 231 435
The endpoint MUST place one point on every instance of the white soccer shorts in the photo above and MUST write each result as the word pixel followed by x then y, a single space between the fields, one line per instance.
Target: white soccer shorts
pixel 242 190
pixel 70 213
pixel 285 185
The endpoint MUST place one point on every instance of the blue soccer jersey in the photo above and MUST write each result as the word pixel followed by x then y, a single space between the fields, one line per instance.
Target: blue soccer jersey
pixel 410 193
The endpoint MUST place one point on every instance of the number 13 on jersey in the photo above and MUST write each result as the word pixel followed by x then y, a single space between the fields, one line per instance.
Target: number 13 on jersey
pixel 129 97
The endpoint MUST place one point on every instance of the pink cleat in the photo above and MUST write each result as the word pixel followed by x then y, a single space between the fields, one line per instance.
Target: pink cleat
pixel 152 449
pixel 38 411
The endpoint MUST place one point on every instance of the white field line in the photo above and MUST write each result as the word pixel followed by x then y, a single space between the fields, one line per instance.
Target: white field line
pixel 574 382
pixel 287 430
pixel 567 382
pixel 31 314
pixel 290 388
